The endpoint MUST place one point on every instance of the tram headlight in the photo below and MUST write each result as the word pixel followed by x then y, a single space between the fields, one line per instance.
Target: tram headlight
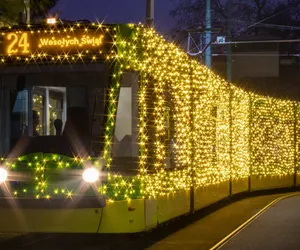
pixel 90 175
pixel 3 175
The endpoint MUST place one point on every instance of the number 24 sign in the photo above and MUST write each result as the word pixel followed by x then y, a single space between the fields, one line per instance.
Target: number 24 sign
pixel 16 44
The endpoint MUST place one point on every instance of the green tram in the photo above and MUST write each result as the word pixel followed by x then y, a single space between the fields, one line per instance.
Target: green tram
pixel 112 129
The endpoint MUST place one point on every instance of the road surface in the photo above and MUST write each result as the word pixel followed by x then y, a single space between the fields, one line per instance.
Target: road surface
pixel 277 228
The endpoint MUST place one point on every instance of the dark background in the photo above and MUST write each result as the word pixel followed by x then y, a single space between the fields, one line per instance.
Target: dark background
pixel 116 11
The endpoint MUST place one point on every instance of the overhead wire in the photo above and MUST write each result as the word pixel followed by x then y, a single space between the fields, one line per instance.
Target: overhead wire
pixel 271 25
pixel 261 41
pixel 261 24
pixel 276 14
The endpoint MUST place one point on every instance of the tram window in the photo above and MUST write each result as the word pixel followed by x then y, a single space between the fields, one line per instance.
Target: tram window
pixel 38 117
pixel 56 111
pixel 19 117
pixel 169 133
pixel 168 139
pixel 214 119
pixel 123 129
pixel 48 104
pixel 125 136
pixel 13 114
pixel 75 100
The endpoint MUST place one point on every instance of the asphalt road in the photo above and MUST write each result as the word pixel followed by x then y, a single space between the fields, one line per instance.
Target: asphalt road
pixel 277 228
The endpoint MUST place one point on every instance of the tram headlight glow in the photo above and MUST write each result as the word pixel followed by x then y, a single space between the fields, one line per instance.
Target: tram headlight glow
pixel 3 175
pixel 90 175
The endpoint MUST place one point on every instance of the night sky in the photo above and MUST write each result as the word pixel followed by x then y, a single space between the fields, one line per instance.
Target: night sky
pixel 116 11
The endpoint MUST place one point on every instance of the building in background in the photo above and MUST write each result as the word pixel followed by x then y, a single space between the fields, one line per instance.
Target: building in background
pixel 265 67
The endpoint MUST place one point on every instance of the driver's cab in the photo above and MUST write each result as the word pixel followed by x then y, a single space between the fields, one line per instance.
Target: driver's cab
pixel 58 109
pixel 63 109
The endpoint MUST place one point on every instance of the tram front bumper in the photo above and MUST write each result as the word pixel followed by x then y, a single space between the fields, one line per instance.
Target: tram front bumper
pixel 76 215
pixel 88 215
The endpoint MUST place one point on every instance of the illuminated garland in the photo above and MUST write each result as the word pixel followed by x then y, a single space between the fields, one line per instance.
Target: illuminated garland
pixel 272 136
pixel 36 170
pixel 240 134
pixel 219 131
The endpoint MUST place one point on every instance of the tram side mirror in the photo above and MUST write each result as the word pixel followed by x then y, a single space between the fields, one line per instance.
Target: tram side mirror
pixel 58 126
pixel 21 80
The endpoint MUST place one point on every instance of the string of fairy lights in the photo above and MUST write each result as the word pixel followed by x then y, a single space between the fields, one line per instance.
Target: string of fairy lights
pixel 272 136
pixel 240 134
pixel 219 131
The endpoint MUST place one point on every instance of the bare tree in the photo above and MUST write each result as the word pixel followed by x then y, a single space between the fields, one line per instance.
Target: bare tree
pixel 10 9
pixel 40 8
pixel 245 15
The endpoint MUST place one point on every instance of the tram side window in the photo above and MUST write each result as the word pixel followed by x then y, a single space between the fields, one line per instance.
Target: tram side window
pixel 123 129
pixel 214 117
pixel 169 138
pixel 125 135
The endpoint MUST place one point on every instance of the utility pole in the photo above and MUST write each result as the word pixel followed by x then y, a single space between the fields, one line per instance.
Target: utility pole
pixel 229 77
pixel 150 13
pixel 208 34
pixel 229 45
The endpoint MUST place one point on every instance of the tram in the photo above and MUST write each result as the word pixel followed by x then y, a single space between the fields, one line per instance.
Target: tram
pixel 112 129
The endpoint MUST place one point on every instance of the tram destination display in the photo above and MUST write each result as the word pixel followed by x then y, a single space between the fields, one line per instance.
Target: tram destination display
pixel 53 42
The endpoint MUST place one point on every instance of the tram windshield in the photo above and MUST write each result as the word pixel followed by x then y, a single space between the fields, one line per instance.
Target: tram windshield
pixel 52 112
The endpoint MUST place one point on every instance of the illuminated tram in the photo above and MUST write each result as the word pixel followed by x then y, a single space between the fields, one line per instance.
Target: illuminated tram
pixel 111 129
